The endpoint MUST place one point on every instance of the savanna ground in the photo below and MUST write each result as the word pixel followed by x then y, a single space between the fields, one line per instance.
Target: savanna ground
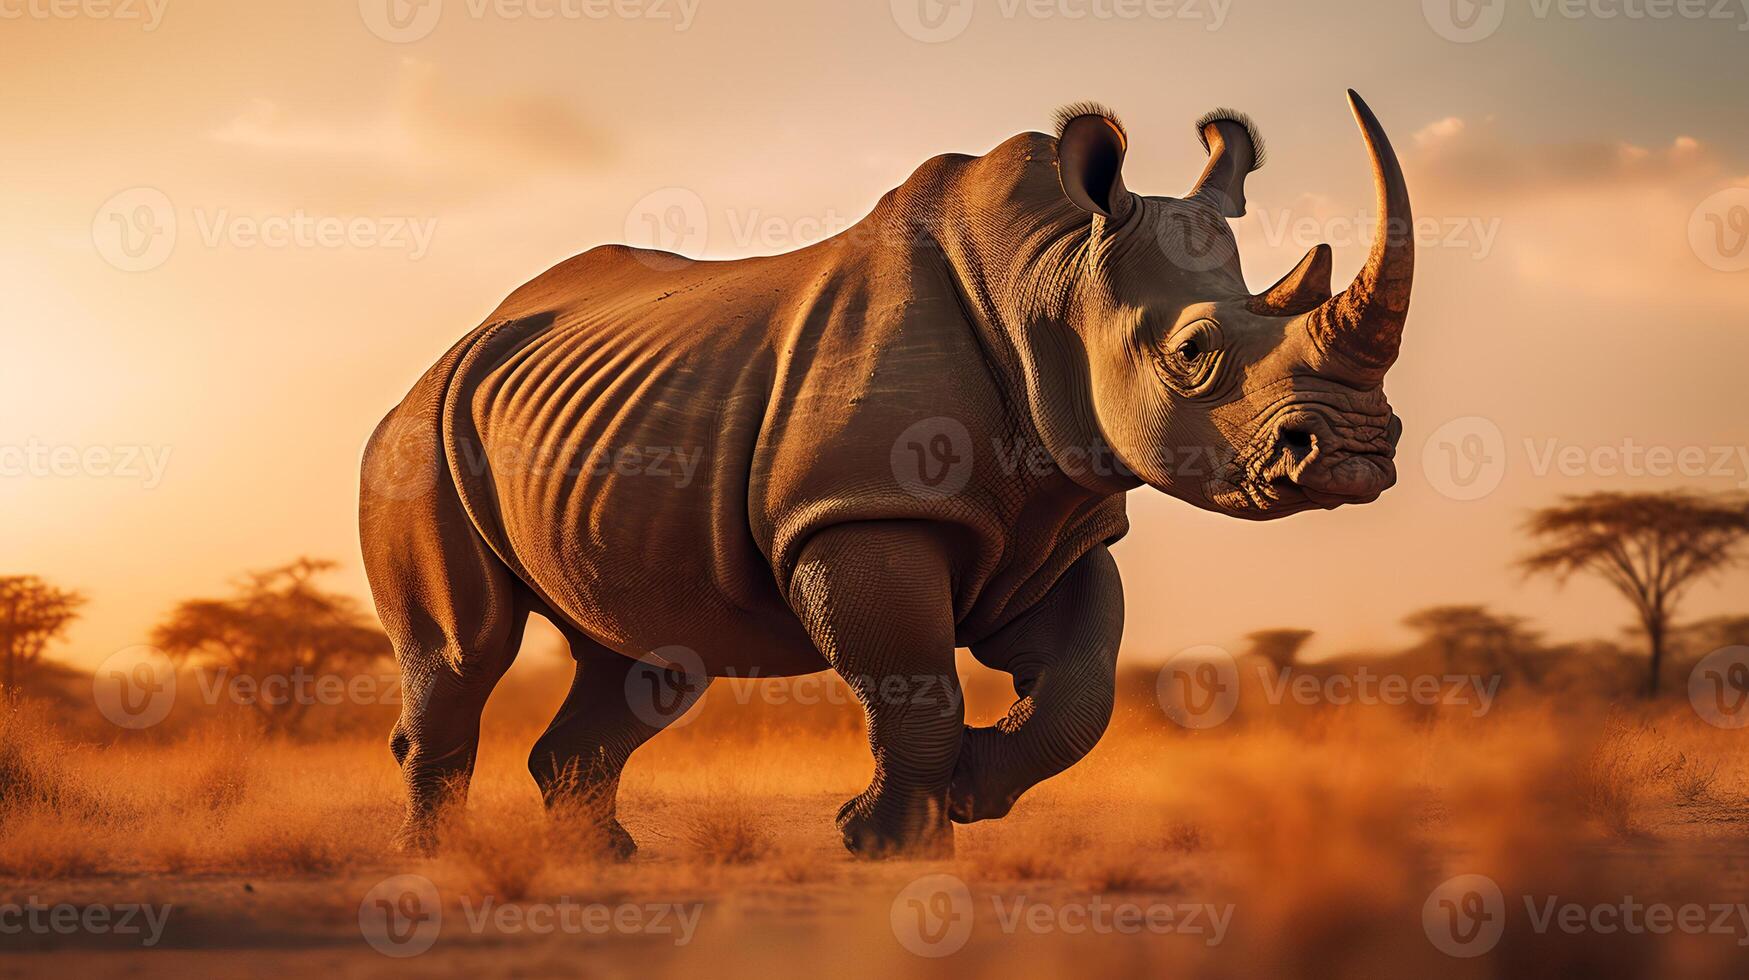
pixel 1315 833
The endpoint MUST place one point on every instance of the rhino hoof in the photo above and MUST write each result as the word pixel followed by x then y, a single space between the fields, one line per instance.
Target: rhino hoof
pixel 865 837
pixel 971 799
pixel 591 837
pixel 620 846
pixel 416 839
pixel 969 808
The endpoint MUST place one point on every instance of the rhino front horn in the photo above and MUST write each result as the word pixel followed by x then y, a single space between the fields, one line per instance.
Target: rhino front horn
pixel 1365 322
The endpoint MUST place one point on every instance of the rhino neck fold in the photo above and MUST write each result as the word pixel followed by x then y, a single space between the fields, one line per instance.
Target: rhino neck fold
pixel 1013 248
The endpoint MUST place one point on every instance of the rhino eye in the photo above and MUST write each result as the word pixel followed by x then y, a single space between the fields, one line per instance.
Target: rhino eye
pixel 1188 359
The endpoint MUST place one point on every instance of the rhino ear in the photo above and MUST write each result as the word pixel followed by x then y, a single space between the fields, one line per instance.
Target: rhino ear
pixel 1235 149
pixel 1303 289
pixel 1090 151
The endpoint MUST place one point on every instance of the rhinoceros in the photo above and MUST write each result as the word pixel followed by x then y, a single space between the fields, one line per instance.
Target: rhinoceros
pixel 861 455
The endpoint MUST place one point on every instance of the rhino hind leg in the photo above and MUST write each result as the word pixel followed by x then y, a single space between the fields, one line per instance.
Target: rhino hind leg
pixel 453 613
pixel 615 704
pixel 1063 656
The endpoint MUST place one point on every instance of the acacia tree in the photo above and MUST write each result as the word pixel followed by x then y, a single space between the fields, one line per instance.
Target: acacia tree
pixel 280 633
pixel 32 613
pixel 1280 647
pixel 1651 547
pixel 1478 633
pixel 1697 639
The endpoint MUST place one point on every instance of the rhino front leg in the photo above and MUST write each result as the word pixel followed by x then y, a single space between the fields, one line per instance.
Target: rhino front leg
pixel 877 599
pixel 1063 655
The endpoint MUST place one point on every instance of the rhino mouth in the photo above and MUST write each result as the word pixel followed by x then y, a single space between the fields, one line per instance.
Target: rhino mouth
pixel 1308 457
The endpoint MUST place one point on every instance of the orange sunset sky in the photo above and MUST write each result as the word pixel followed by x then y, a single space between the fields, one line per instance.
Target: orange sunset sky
pixel 1577 292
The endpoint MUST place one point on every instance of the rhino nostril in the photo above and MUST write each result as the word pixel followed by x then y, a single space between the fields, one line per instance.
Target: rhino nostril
pixel 1298 440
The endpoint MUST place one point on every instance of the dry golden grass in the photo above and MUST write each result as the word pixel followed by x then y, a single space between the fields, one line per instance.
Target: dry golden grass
pixel 1328 827
pixel 725 826
pixel 496 852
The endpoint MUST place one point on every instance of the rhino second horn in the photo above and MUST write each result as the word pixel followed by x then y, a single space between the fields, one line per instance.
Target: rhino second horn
pixel 1365 322
pixel 1302 290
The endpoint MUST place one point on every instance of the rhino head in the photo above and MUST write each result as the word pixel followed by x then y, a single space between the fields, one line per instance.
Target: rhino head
pixel 1255 405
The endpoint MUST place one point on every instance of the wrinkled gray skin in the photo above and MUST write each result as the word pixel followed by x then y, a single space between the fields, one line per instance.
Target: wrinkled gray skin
pixel 1024 298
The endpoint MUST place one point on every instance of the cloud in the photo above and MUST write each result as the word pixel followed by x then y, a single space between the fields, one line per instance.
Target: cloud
pixel 536 129
pixel 1461 159
pixel 425 127
pixel 1601 219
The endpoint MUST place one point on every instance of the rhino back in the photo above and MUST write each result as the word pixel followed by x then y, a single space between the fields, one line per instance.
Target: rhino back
pixel 650 442
pixel 601 434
